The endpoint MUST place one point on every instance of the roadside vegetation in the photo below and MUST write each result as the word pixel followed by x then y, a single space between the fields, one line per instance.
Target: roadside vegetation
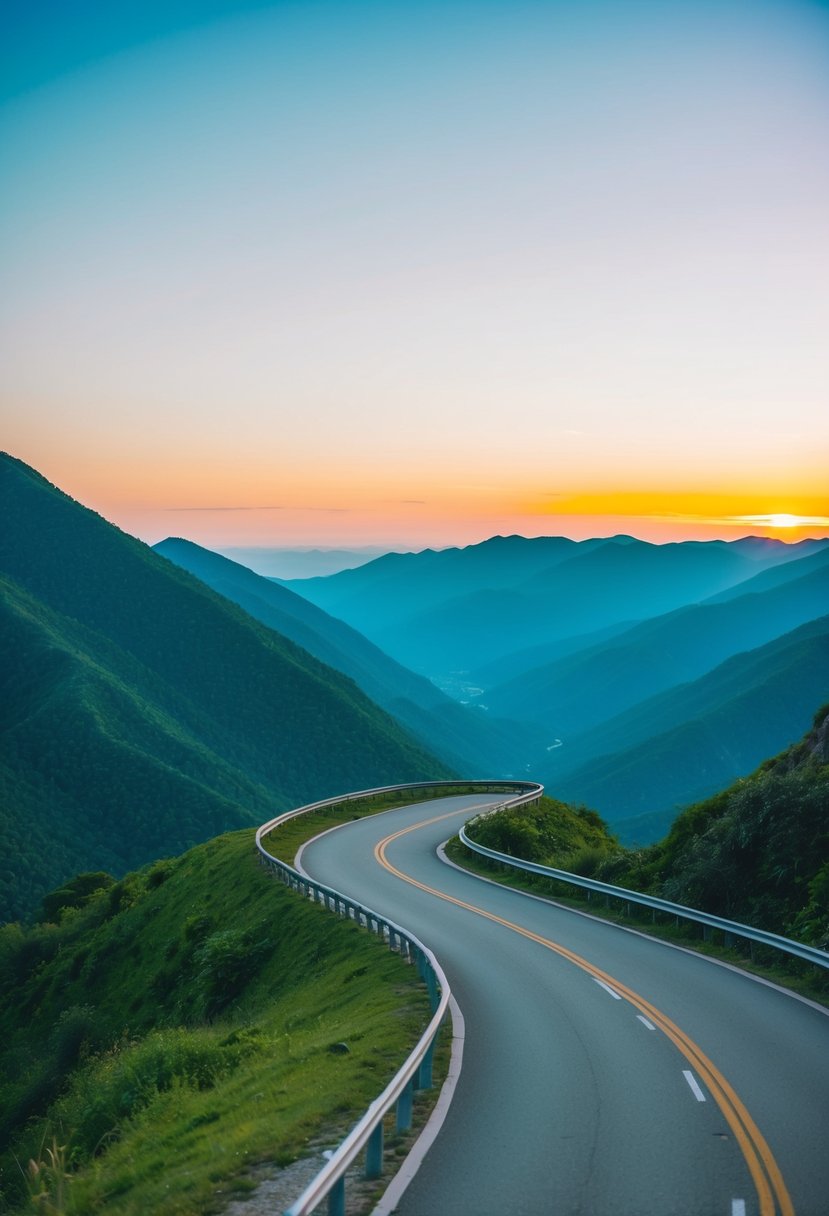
pixel 757 853
pixel 164 1034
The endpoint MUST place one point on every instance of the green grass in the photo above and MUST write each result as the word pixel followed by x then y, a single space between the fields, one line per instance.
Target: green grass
pixel 175 1031
pixel 284 842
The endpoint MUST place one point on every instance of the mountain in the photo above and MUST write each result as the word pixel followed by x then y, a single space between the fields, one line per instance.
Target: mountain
pixel 462 737
pixel 581 691
pixel 460 609
pixel 403 584
pixel 299 563
pixel 758 852
pixel 815 557
pixel 781 563
pixel 517 662
pixel 693 740
pixel 141 712
pixel 755 852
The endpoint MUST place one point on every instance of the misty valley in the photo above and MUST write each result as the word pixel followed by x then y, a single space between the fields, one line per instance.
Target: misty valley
pixel 162 996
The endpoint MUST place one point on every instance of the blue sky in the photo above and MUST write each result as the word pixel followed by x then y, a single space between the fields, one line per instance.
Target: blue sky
pixel 417 271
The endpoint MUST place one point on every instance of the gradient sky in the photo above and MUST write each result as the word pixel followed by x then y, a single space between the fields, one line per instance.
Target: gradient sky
pixel 416 273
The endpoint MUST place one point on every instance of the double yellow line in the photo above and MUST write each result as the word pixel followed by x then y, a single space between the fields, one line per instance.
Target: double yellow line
pixel 772 1195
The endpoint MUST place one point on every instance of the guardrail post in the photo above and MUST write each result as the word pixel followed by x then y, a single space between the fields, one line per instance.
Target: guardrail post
pixel 428 977
pixel 336 1198
pixel 374 1152
pixel 423 1076
pixel 404 1109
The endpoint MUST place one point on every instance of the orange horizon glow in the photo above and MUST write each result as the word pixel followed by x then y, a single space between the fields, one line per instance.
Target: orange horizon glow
pixel 222 503
pixel 417 524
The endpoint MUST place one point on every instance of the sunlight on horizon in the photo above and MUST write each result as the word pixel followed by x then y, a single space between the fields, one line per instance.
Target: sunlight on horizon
pixel 326 272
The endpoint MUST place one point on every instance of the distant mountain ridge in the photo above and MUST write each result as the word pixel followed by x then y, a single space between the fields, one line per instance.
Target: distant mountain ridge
pixel 593 685
pixel 689 742
pixel 462 609
pixel 463 738
pixel 142 712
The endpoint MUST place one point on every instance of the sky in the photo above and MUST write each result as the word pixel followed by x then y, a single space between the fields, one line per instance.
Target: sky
pixel 405 274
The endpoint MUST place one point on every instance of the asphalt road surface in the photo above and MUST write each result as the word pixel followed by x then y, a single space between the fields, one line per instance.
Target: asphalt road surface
pixel 604 1073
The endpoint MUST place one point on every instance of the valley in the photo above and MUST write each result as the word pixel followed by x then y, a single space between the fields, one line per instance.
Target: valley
pixel 154 698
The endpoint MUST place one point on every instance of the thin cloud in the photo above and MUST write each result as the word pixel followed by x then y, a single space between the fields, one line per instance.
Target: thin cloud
pixel 329 510
pixel 224 508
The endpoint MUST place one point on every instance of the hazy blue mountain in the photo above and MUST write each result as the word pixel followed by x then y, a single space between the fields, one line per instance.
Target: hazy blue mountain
pixel 461 609
pixel 141 712
pixel 299 563
pixel 713 731
pixel 579 692
pixel 399 585
pixel 684 702
pixel 814 557
pixel 771 552
pixel 465 738
pixel 509 666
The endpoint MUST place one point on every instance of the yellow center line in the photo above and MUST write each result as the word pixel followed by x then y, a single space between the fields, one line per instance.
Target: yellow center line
pixel 762 1166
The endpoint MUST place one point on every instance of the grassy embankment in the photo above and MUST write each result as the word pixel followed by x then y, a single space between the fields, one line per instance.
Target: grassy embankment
pixel 174 1030
pixel 285 842
pixel 756 853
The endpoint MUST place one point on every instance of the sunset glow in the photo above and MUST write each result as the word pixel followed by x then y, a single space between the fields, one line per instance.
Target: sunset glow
pixel 345 273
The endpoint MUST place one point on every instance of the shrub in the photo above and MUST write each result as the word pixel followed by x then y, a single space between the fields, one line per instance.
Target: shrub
pixel 227 961
pixel 74 894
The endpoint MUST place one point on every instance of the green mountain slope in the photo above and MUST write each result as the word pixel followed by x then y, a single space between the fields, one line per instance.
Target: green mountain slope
pixel 757 852
pixel 174 1029
pixel 753 705
pixel 138 703
pixel 463 738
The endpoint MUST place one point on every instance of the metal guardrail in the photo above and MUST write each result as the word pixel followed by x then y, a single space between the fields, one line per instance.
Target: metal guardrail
pixel 416 1072
pixel 731 929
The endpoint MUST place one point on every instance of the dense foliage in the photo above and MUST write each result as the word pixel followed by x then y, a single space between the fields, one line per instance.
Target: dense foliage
pixel 539 833
pixel 757 853
pixel 140 712
pixel 463 737
pixel 169 1030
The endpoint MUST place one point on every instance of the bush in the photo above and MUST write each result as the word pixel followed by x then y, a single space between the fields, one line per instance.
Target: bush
pixel 227 961
pixel 74 894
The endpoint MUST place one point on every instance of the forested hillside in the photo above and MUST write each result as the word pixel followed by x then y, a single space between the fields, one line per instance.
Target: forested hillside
pixel 463 737
pixel 757 852
pixel 140 712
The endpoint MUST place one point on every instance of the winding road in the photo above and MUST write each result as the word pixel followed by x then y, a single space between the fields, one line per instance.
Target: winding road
pixel 604 1073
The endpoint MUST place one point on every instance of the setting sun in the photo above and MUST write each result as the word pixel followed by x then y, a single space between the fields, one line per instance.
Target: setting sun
pixel 784 521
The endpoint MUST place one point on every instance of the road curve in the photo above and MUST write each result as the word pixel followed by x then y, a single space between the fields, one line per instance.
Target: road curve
pixel 605 1074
